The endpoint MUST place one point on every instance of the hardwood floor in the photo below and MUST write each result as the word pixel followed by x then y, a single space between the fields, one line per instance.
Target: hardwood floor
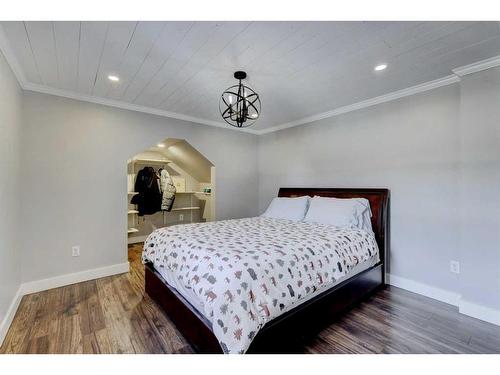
pixel 112 315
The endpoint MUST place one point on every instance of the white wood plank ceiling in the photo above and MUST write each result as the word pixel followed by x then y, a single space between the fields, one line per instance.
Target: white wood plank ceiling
pixel 299 68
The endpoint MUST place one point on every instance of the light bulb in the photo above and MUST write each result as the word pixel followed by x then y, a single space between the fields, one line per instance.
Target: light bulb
pixel 380 67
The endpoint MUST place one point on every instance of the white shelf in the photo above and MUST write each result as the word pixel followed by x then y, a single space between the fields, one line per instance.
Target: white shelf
pixel 150 161
pixel 132 230
pixel 185 208
pixel 132 212
pixel 132 193
pixel 192 192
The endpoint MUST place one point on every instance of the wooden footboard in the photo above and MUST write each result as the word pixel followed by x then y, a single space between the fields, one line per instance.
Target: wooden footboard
pixel 193 325
pixel 280 335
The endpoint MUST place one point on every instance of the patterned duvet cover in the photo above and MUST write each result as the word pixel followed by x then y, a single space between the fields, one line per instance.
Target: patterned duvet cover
pixel 247 272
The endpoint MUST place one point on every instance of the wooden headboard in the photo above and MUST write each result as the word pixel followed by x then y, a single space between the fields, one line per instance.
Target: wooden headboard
pixel 379 204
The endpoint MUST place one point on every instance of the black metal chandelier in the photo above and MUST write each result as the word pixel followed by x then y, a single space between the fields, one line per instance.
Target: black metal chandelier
pixel 239 105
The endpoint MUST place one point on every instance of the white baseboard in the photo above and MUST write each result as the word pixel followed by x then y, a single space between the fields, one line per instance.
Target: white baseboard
pixel 479 312
pixel 464 307
pixel 9 316
pixel 426 290
pixel 56 282
pixel 73 278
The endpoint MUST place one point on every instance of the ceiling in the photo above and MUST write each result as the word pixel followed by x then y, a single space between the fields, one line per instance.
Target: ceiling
pixel 187 157
pixel 300 69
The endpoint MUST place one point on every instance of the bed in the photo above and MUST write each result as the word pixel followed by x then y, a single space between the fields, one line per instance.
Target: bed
pixel 261 284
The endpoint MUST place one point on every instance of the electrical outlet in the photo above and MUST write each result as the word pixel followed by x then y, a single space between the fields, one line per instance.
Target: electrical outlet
pixel 181 217
pixel 455 266
pixel 75 251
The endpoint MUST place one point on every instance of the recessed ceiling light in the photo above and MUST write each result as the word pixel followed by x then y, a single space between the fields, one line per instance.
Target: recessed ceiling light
pixel 161 145
pixel 113 78
pixel 380 67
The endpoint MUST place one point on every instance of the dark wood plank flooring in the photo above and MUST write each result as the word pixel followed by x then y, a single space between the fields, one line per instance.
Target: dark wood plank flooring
pixel 112 315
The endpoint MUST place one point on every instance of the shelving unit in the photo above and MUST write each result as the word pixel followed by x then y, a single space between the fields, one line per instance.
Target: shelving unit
pixel 191 203
pixel 185 202
pixel 150 161
pixel 131 215
pixel 194 192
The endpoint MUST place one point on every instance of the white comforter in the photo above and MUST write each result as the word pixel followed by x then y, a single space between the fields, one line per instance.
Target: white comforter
pixel 247 272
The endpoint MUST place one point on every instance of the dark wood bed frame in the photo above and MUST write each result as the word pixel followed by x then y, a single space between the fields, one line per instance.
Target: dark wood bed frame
pixel 283 334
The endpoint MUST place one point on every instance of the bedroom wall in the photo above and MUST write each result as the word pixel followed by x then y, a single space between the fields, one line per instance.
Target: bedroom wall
pixel 410 146
pixel 439 153
pixel 10 249
pixel 480 189
pixel 75 178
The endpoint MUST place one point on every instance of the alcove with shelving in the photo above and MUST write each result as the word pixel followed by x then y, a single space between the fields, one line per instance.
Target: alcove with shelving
pixel 193 176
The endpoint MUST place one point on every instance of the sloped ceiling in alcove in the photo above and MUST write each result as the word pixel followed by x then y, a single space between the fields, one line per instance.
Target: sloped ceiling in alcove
pixel 186 157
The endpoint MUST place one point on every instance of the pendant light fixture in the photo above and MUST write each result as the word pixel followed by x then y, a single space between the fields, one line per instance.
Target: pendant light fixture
pixel 239 105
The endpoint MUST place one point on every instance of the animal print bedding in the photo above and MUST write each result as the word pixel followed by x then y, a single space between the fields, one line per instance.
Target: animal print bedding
pixel 247 272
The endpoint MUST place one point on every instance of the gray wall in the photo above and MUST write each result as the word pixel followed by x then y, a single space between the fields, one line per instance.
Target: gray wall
pixel 10 127
pixel 410 146
pixel 480 188
pixel 438 152
pixel 75 178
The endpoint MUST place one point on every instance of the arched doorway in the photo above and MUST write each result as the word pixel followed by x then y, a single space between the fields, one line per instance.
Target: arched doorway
pixel 193 176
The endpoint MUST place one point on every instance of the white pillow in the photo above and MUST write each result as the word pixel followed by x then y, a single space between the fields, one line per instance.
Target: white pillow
pixel 366 214
pixel 342 213
pixel 288 208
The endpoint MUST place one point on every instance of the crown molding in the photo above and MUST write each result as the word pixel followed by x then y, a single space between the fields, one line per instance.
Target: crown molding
pixel 477 66
pixel 16 68
pixel 129 106
pixel 448 80
pixel 11 58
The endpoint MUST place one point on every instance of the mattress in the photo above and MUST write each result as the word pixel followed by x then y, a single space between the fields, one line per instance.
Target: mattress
pixel 241 274
pixel 198 304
